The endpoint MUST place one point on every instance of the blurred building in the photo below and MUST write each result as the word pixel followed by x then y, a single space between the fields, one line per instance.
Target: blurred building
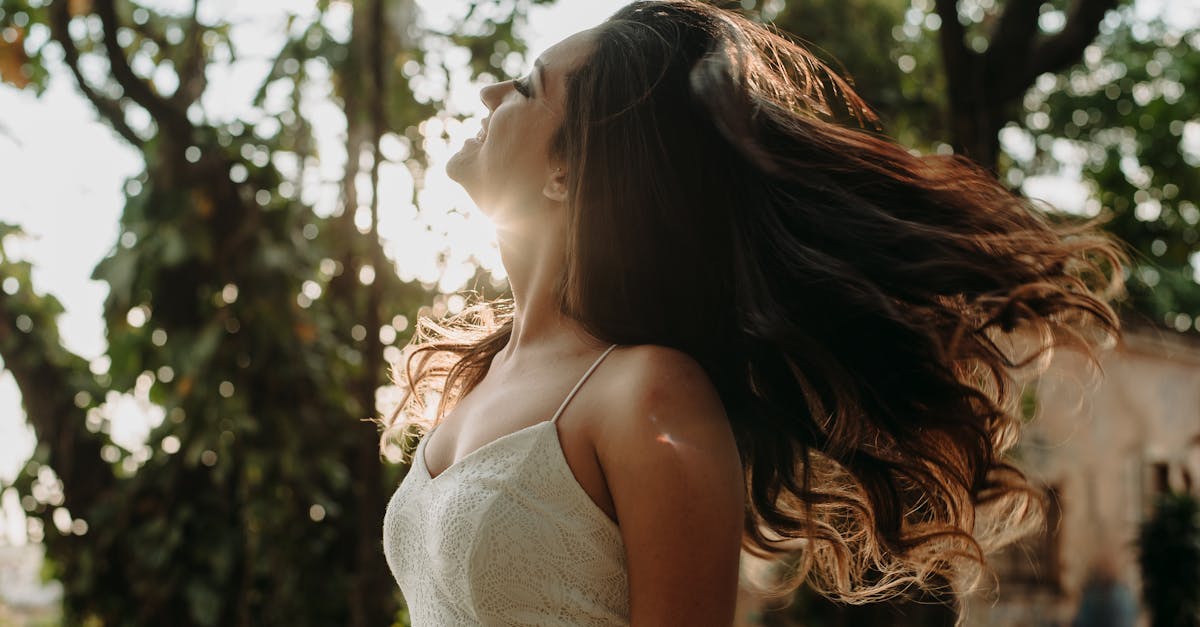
pixel 1102 448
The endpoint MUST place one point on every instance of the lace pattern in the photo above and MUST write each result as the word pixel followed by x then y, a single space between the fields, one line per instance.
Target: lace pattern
pixel 506 536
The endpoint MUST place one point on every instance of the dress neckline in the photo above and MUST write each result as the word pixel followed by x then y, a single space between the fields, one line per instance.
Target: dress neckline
pixel 420 454
pixel 421 448
pixel 556 451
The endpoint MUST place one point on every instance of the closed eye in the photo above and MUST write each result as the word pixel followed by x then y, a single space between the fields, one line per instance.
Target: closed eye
pixel 523 87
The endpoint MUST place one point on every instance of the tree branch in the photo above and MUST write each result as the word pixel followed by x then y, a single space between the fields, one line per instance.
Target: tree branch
pixel 276 72
pixel 153 35
pixel 1059 52
pixel 192 79
pixel 48 377
pixel 1009 44
pixel 161 109
pixel 957 58
pixel 110 110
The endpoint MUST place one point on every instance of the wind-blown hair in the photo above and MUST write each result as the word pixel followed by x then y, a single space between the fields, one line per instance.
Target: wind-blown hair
pixel 849 300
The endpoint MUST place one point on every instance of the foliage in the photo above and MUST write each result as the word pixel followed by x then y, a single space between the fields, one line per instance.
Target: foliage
pixel 252 320
pixel 1124 109
pixel 1170 559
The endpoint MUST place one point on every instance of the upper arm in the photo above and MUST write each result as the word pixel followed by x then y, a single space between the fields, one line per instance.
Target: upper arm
pixel 676 481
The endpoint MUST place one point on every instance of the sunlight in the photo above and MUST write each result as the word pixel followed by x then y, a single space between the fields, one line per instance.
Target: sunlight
pixel 442 222
pixel 445 219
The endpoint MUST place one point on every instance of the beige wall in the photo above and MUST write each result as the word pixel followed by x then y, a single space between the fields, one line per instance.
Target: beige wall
pixel 1096 441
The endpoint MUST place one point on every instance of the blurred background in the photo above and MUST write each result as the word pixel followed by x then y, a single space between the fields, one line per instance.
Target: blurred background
pixel 220 219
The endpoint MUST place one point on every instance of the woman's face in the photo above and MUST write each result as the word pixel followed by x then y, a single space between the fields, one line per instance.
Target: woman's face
pixel 508 166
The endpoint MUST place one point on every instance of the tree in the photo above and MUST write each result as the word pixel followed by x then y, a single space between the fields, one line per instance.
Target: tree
pixel 253 321
pixel 1124 111
pixel 971 61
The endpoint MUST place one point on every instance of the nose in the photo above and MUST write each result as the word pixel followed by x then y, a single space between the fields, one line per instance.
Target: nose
pixel 492 94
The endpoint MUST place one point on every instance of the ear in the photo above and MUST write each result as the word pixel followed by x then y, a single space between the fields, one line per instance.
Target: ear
pixel 556 185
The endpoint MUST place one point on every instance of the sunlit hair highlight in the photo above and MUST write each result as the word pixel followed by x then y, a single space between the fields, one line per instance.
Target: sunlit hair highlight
pixel 867 315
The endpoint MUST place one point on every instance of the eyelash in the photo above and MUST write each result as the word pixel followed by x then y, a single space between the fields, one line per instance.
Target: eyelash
pixel 522 86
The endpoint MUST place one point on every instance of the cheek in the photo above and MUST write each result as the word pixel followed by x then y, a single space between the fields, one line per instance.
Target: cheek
pixel 520 147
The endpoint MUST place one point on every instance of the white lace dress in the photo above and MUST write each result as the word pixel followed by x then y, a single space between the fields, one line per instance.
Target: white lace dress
pixel 506 536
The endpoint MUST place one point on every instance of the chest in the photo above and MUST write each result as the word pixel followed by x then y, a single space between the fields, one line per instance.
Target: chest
pixel 500 404
pixel 506 525
pixel 503 405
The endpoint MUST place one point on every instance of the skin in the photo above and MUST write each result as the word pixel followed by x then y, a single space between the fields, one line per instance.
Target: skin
pixel 646 437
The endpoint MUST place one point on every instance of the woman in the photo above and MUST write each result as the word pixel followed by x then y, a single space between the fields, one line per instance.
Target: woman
pixel 788 328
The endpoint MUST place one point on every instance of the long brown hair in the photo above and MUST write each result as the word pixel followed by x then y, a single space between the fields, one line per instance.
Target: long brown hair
pixel 849 299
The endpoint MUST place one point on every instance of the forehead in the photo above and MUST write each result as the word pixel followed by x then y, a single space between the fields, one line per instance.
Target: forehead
pixel 563 57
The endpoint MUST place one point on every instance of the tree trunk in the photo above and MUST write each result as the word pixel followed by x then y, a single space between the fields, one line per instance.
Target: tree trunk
pixel 985 89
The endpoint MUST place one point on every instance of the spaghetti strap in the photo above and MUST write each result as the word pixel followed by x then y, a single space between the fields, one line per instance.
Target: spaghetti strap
pixel 585 376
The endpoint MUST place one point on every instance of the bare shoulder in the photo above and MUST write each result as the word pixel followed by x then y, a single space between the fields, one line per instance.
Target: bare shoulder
pixel 672 467
pixel 664 377
pixel 656 394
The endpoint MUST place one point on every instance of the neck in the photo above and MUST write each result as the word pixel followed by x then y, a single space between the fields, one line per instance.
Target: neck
pixel 533 250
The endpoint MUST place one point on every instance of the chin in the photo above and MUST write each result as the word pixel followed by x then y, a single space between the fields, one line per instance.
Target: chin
pixel 460 174
pixel 459 164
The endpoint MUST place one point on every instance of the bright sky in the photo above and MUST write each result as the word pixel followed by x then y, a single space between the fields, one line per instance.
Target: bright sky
pixel 63 172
